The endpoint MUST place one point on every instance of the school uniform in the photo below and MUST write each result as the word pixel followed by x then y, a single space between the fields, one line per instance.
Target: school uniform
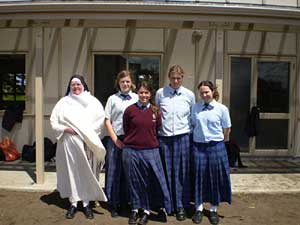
pixel 115 183
pixel 211 168
pixel 174 138
pixel 141 160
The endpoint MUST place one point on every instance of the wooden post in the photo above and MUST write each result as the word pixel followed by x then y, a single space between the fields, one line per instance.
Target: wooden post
pixel 39 108
pixel 219 61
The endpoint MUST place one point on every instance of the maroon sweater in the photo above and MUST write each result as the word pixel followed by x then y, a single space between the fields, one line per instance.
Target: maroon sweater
pixel 140 127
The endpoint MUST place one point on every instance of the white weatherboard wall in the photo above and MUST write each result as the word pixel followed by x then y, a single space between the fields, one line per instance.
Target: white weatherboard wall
pixel 69 50
pixel 268 43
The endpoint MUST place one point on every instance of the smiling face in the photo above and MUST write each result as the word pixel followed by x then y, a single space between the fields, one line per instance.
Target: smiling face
pixel 175 80
pixel 76 87
pixel 144 95
pixel 206 93
pixel 125 84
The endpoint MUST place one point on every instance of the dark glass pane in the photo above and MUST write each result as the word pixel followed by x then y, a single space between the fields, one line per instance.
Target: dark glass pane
pixel 20 83
pixel 240 99
pixel 273 134
pixel 8 83
pixel 106 69
pixel 145 68
pixel 273 86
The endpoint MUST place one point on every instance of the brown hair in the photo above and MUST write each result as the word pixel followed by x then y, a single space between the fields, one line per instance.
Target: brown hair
pixel 122 74
pixel 211 86
pixel 148 87
pixel 176 69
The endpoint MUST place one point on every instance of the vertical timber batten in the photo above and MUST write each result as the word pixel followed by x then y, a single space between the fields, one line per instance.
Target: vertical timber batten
pixel 39 108
pixel 219 61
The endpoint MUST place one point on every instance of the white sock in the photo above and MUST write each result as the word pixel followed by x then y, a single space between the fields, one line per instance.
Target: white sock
pixel 213 208
pixel 147 212
pixel 199 208
pixel 73 203
pixel 164 210
pixel 85 203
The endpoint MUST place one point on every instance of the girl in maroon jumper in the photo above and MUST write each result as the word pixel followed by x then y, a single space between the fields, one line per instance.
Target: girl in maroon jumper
pixel 141 160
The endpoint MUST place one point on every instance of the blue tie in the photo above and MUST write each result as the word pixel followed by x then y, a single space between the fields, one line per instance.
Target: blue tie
pixel 207 106
pixel 176 93
pixel 143 107
pixel 125 96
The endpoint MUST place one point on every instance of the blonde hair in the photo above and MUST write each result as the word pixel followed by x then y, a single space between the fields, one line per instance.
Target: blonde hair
pixel 122 74
pixel 176 69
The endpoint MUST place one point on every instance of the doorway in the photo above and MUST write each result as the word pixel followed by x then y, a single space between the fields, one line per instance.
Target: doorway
pixel 265 83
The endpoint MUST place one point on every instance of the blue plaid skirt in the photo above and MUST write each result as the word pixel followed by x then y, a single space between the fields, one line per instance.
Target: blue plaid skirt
pixel 146 180
pixel 116 188
pixel 212 173
pixel 175 154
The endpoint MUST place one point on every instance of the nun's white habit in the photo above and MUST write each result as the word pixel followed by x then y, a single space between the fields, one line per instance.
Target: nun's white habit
pixel 78 155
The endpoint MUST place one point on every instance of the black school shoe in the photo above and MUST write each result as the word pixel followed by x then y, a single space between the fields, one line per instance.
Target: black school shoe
pixel 197 217
pixel 71 212
pixel 88 212
pixel 114 212
pixel 144 219
pixel 162 216
pixel 181 215
pixel 133 218
pixel 213 218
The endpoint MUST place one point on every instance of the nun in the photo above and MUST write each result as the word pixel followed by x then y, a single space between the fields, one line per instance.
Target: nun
pixel 77 120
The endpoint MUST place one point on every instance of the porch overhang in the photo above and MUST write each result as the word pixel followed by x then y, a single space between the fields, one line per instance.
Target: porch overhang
pixel 196 12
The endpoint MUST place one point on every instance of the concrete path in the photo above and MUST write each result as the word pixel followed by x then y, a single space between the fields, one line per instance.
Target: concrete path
pixel 241 183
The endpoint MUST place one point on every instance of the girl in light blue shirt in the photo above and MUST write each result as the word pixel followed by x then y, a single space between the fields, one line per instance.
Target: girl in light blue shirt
pixel 175 103
pixel 211 122
pixel 115 183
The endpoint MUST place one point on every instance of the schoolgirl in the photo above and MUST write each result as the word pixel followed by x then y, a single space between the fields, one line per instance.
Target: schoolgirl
pixel 175 103
pixel 115 183
pixel 211 122
pixel 142 163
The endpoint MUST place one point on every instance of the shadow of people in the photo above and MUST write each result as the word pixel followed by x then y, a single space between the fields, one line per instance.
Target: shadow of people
pixel 63 203
pixel 53 198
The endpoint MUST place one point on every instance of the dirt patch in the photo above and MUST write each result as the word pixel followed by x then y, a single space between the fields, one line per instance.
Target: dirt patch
pixel 36 208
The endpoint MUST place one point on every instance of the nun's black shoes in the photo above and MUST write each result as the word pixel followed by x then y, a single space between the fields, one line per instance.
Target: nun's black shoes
pixel 144 219
pixel 71 212
pixel 88 212
pixel 181 215
pixel 133 218
pixel 213 218
pixel 197 217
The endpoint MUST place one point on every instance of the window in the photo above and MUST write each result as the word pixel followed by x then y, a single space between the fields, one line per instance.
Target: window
pixel 12 81
pixel 106 68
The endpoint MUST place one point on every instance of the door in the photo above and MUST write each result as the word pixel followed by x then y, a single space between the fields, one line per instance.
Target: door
pixel 265 83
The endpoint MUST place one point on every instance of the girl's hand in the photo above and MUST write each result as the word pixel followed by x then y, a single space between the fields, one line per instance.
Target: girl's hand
pixel 119 144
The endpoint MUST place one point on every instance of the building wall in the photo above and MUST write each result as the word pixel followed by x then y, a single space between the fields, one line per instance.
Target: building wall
pixel 261 43
pixel 69 50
